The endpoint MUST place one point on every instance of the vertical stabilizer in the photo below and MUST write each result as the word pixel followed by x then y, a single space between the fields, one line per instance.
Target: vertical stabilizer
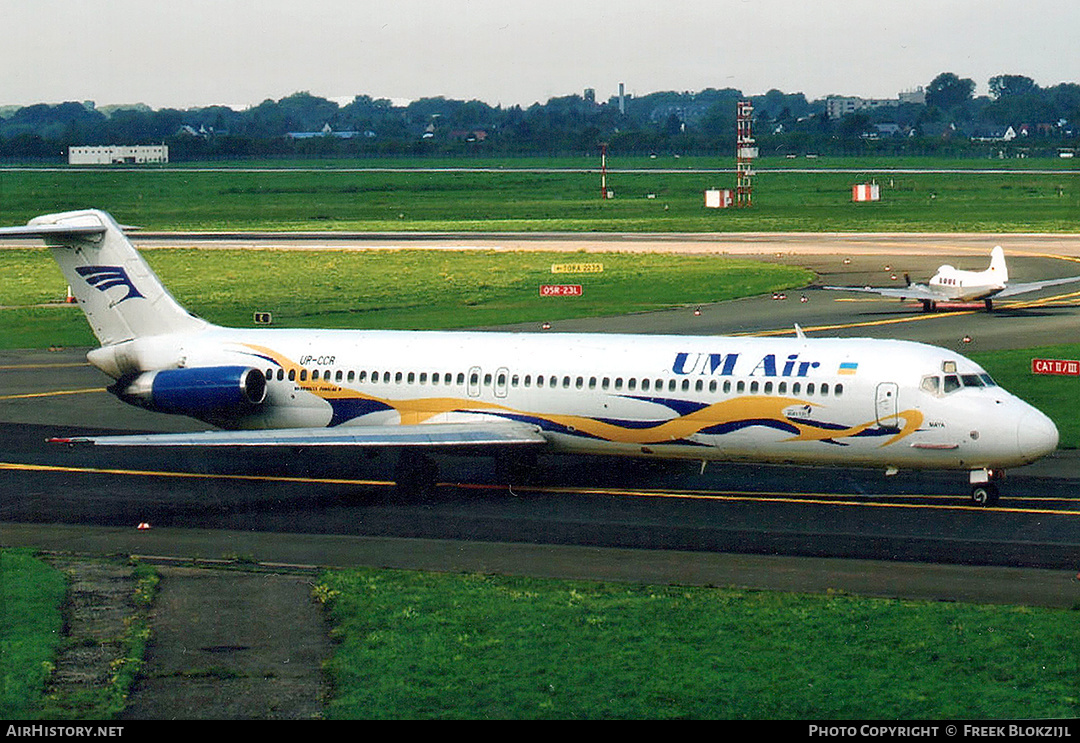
pixel 998 272
pixel 121 296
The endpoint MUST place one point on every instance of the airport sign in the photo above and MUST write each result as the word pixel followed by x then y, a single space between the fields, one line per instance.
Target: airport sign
pixel 560 290
pixel 1064 367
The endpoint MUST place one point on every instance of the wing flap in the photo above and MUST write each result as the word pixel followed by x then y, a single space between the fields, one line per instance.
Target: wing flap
pixel 425 435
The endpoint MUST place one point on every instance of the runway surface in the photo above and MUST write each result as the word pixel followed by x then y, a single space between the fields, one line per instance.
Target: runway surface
pixel 580 517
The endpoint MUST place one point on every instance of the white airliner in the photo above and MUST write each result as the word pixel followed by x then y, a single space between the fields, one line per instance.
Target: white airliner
pixel 849 402
pixel 955 285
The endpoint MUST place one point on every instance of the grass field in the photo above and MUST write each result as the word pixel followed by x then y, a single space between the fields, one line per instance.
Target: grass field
pixel 401 289
pixel 31 620
pixel 663 196
pixel 415 645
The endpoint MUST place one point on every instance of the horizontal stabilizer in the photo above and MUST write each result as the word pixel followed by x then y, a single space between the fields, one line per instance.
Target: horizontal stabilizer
pixel 430 435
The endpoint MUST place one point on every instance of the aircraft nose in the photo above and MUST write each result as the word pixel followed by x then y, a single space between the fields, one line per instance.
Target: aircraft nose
pixel 1036 435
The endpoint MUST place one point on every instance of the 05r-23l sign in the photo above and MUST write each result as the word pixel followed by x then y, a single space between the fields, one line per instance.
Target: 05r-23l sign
pixel 560 290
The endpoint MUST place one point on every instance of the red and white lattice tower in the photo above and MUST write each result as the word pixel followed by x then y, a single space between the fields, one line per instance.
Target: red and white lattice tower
pixel 745 152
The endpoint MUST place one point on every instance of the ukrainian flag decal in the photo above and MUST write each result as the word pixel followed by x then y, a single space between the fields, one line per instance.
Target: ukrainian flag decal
pixel 848 367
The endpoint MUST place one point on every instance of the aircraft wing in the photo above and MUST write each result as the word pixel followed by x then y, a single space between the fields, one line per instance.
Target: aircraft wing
pixel 1033 286
pixel 911 291
pixel 498 433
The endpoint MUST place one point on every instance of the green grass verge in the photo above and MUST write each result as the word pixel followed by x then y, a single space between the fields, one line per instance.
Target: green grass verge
pixel 398 289
pixel 418 645
pixel 31 629
pixel 566 200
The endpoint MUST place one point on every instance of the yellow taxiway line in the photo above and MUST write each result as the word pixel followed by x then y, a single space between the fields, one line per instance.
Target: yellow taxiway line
pixel 54 393
pixel 759 497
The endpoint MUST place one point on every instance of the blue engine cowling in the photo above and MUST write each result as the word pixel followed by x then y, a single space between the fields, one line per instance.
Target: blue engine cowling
pixel 200 392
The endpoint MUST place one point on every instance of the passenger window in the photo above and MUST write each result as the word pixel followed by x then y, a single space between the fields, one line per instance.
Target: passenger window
pixel 644 385
pixel 782 388
pixel 768 388
pixel 281 374
pixel 753 387
pixel 618 383
pixel 631 384
pixel 838 390
pixel 292 375
pixel 824 389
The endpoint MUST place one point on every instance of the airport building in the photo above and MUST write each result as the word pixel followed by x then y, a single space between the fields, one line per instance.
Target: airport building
pixel 118 154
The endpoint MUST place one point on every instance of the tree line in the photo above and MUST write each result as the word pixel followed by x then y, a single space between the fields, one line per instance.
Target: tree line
pixel 952 121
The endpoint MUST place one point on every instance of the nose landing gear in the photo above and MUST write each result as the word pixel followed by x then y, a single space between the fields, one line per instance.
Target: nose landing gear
pixel 984 489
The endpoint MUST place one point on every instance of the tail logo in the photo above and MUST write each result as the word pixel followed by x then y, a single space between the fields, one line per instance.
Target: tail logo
pixel 104 278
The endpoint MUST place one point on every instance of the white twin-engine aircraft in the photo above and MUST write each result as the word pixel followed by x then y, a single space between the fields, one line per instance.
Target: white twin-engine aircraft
pixel 849 402
pixel 955 285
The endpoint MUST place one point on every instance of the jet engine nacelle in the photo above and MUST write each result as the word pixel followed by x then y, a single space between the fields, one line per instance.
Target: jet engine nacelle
pixel 198 392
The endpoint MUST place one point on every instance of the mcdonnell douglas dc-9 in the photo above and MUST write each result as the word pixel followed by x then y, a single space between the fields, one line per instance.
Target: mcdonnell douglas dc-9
pixel 849 402
pixel 955 285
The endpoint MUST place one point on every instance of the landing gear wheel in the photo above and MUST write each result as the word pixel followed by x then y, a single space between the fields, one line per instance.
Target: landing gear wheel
pixel 984 495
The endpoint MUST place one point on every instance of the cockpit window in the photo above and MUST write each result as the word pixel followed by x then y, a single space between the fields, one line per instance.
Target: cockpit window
pixel 930 384
pixel 952 383
pixel 972 380
pixel 987 380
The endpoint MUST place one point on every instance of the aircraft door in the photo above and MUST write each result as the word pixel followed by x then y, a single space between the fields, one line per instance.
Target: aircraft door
pixel 887 405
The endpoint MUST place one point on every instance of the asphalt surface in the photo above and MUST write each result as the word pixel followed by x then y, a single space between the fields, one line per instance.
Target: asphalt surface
pixel 804 521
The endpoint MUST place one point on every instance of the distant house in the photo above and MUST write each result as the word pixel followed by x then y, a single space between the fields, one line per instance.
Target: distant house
pixel 994 134
pixel 889 130
pixel 118 155
pixel 326 131
pixel 469 135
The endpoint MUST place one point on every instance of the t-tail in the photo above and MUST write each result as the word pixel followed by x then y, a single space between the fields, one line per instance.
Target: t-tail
pixel 121 296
